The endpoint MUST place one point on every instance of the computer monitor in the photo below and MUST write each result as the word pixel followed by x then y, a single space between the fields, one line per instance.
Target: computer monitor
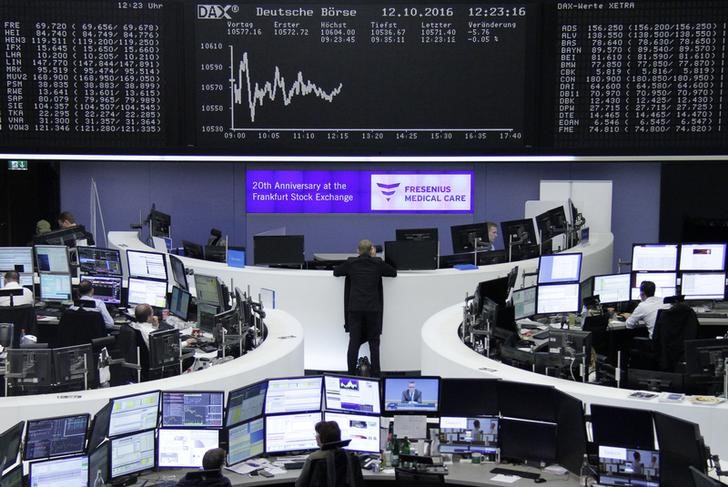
pixel 411 395
pixel 208 290
pixel 278 249
pixel 559 268
pixel 72 364
pixel 702 257
pixel 106 288
pixel 482 397
pixel 192 409
pixel 626 427
pixel 411 255
pixel 98 465
pixel 147 265
pixel 245 403
pixel 135 413
pixel 665 283
pixel 132 454
pixel 552 223
pixel 572 438
pixel 363 431
pixel 10 445
pixel 99 427
pixel 654 257
pixel 53 437
pixel 416 234
pixel 519 233
pixel 628 466
pixel 570 343
pixel 527 401
pixel 681 447
pixel 13 477
pixel 287 433
pixel 185 447
pixel 52 258
pixel 470 237
pixel 524 302
pixel 164 349
pixel 193 250
pixel 465 435
pixel 705 362
pixel 179 275
pixel 528 441
pixel 60 472
pixel 206 316
pixel 35 365
pixel 353 394
pixel 143 291
pixel 179 303
pixel 703 285
pixel 55 287
pixel 159 223
pixel 246 440
pixel 65 236
pixel 99 261
pixel 558 298
pixel 19 259
pixel 293 395
pixel 612 288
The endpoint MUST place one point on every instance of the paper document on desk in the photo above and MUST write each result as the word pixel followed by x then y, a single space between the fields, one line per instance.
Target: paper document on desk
pixel 414 426
pixel 242 468
pixel 506 479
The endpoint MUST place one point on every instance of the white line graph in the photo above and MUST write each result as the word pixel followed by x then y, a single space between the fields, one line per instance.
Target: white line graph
pixel 240 86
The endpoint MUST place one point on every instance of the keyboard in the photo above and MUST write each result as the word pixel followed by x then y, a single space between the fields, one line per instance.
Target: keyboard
pixel 520 473
pixel 713 315
pixel 542 335
pixel 293 465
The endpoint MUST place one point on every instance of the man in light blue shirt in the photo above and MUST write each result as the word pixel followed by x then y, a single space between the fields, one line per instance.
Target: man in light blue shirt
pixel 86 293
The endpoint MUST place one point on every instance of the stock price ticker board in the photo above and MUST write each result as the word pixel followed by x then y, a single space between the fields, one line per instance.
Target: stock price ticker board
pixel 80 73
pixel 406 77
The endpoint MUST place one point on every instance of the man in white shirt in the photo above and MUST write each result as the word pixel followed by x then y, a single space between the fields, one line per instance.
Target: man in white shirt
pixel 86 293
pixel 12 281
pixel 647 310
pixel 146 323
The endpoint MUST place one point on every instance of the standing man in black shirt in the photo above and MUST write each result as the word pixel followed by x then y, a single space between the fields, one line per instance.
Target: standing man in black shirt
pixel 365 301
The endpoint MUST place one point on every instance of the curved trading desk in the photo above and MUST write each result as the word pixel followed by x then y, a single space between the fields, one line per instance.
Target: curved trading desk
pixel 316 298
pixel 280 355
pixel 445 355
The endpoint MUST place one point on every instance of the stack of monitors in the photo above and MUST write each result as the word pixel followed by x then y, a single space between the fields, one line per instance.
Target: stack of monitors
pixel 19 259
pixel 191 423
pixel 147 278
pixel 702 271
pixel 354 403
pixel 412 395
pixel 244 422
pixel 55 273
pixel 132 426
pixel 558 283
pixel 656 263
pixel 292 409
pixel 103 268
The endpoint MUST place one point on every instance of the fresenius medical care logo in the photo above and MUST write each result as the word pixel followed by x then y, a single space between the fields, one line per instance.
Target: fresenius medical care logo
pixel 388 190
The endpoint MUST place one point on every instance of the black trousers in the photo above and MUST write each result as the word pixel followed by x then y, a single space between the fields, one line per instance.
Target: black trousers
pixel 364 326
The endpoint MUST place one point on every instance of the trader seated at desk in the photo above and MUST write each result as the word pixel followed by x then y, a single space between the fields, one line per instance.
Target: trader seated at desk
pixel 12 281
pixel 330 466
pixel 146 323
pixel 647 310
pixel 211 473
pixel 411 394
pixel 86 293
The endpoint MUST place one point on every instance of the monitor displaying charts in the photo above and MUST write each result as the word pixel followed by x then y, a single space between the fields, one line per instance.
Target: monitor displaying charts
pixel 293 395
pixel 133 453
pixel 524 302
pixel 246 403
pixel 246 440
pixel 192 409
pixel 185 447
pixel 106 288
pixel 702 257
pixel 55 287
pixel 353 394
pixel 53 437
pixel 96 260
pixel 134 413
pixel 291 432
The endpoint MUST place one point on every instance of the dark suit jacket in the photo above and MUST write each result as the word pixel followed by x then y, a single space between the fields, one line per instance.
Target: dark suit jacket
pixel 406 396
pixel 365 275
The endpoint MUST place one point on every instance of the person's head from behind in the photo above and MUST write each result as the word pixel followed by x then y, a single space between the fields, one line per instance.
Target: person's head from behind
pixel 476 424
pixel 143 313
pixel 42 226
pixel 11 276
pixel 492 232
pixel 213 459
pixel 647 290
pixel 366 247
pixel 85 288
pixel 66 220
pixel 636 456
pixel 327 432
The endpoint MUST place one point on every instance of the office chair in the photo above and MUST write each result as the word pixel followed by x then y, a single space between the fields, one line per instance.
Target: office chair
pixel 130 360
pixel 666 351
pixel 339 468
pixel 6 335
pixel 77 327
pixel 412 478
pixel 22 317
pixel 215 237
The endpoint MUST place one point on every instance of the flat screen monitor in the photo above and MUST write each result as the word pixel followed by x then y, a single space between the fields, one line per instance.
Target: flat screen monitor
pixel 469 238
pixel 65 236
pixel 246 440
pixel 10 445
pixel 482 397
pixel 628 466
pixel 164 349
pixel 465 435
pixel 106 288
pixel 572 438
pixel 99 261
pixel 73 364
pixel 612 288
pixel 185 447
pixel 143 291
pixel 532 441
pixel 55 287
pixel 654 257
pixel 286 433
pixel 179 275
pixel 63 472
pixel 208 289
pixel 293 395
pixel 681 447
pixel 98 466
pixel 135 413
pixel 13 478
pixel 52 258
pixel 159 223
pixel 179 303
pixel 19 259
pixel 702 257
pixel 570 343
pixel 147 265
pixel 35 365
pixel 626 427
pixel 552 223
pixel 665 283
pixel 363 431
pixel 519 232
pixel 411 394
pixel 412 255
pixel 246 403
pixel 53 437
pixel 527 401
pixel 559 268
pixel 192 409
pixel 206 316
pixel 416 234
pixel 132 454
pixel 99 427
pixel 558 298
pixel 524 302
pixel 703 285
pixel 278 249
pixel 705 360
pixel 353 394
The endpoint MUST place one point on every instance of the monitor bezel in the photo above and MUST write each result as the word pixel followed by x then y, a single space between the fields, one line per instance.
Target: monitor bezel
pixel 267 391
pixel 376 380
pixel 147 277
pixel 111 411
pixel 68 258
pixel 280 452
pixel 555 257
pixel 680 254
pixel 192 431
pixel 129 435
pixel 34 465
pixel 79 249
pixel 428 413
pixel 186 427
pixel 629 287
pixel 577 303
pixel 227 403
pixel 675 264
pixel 33 263
pixel 226 436
pixel 54 418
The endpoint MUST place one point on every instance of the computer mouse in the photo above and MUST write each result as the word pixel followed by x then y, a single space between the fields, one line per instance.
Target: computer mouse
pixel 539 480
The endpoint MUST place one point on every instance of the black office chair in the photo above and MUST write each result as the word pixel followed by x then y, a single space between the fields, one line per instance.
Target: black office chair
pixel 338 469
pixel 22 317
pixel 6 334
pixel 79 326
pixel 126 367
pixel 413 478
pixel 665 351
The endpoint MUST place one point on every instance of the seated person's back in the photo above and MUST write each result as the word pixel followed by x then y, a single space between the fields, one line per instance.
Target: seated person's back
pixel 211 473
pixel 330 466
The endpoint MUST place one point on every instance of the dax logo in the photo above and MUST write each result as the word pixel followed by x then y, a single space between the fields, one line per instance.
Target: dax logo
pixel 214 12
pixel 388 190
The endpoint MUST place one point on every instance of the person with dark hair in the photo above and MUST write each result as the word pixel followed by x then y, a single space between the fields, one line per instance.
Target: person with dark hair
pixel 211 473
pixel 492 236
pixel 637 466
pixel 647 310
pixel 67 220
pixel 477 432
pixel 12 281
pixel 146 323
pixel 411 394
pixel 330 466
pixel 86 293
pixel 364 303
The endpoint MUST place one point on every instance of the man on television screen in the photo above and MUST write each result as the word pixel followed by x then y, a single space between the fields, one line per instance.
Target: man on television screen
pixel 364 301
pixel 412 394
